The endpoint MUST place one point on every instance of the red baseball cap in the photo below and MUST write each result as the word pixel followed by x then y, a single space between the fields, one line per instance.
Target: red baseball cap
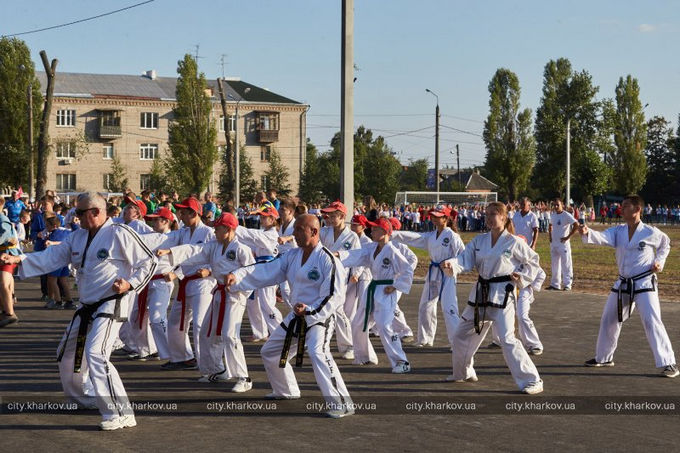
pixel 335 206
pixel 139 203
pixel 267 211
pixel 396 224
pixel 228 220
pixel 359 219
pixel 440 211
pixel 383 223
pixel 191 203
pixel 164 213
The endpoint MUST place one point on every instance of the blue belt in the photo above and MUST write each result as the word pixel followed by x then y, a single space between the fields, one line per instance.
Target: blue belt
pixel 263 258
pixel 429 274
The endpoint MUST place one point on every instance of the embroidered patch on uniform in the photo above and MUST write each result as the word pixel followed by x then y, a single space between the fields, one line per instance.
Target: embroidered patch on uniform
pixel 347 245
pixel 386 261
pixel 199 242
pixel 507 253
pixel 102 254
pixel 559 222
pixel 642 245
pixel 445 241
pixel 231 255
pixel 313 275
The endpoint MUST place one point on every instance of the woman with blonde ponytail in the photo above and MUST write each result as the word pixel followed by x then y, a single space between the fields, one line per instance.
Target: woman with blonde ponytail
pixel 505 262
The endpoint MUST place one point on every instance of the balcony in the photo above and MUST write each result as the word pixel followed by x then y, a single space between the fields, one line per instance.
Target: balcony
pixel 267 136
pixel 109 124
pixel 110 131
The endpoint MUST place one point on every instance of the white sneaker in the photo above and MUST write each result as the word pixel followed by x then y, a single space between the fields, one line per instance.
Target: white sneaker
pixel 216 377
pixel 339 413
pixel 401 367
pixel 535 351
pixel 274 396
pixel 242 385
pixel 533 388
pixel 124 421
pixel 450 378
pixel 348 354
pixel 670 371
pixel 423 345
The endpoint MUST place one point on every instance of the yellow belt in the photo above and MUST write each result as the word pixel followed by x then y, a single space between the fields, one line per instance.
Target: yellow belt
pixel 7 247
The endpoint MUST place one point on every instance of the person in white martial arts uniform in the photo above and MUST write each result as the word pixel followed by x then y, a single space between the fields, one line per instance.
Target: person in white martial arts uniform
pixel 222 354
pixel 357 284
pixel 336 236
pixel 317 284
pixel 641 252
pixel 111 261
pixel 526 222
pixel 504 262
pixel 194 295
pixel 263 315
pixel 149 318
pixel 562 227
pixel 286 239
pixel 399 325
pixel 441 244
pixel 392 275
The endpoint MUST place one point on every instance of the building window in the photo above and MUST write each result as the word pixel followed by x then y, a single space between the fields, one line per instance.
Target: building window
pixel 265 153
pixel 264 181
pixel 145 182
pixel 66 150
pixel 148 120
pixel 66 118
pixel 148 151
pixel 107 152
pixel 232 123
pixel 267 121
pixel 66 182
pixel 108 179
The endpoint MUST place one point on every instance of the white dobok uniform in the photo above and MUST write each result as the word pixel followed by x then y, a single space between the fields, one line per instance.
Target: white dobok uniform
pixel 221 330
pixel 562 269
pixel 286 230
pixel 438 286
pixel 399 325
pixel 115 251
pixel 263 315
pixel 356 291
pixel 320 284
pixel 492 300
pixel 347 240
pixel 637 286
pixel 388 268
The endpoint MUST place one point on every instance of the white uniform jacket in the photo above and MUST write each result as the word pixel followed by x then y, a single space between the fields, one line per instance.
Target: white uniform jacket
pixel 287 231
pixel 348 240
pixel 262 242
pixel 390 264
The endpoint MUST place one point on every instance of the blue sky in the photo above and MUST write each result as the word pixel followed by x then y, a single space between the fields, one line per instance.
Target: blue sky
pixel 401 47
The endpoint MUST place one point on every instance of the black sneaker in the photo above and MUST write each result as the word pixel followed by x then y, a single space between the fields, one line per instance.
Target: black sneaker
pixel 552 288
pixel 170 365
pixel 595 363
pixel 6 320
pixel 493 345
pixel 69 305
pixel 670 371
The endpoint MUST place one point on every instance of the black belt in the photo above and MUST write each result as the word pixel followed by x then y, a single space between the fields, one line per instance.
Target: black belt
pixel 296 328
pixel 85 313
pixel 631 291
pixel 482 297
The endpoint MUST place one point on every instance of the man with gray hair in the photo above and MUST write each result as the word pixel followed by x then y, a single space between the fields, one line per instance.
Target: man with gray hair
pixel 111 261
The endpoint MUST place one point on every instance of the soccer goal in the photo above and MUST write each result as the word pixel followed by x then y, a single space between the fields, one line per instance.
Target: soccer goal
pixel 454 198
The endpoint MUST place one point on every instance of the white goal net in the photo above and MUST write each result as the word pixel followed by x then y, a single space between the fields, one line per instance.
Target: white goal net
pixel 454 198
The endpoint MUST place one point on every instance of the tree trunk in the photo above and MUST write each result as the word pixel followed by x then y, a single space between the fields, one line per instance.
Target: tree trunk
pixel 43 138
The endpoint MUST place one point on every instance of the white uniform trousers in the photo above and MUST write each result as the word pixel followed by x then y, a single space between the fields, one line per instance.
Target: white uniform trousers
pixel 343 329
pixel 225 351
pixel 140 340
pixel 178 340
pixel 326 371
pixel 97 373
pixel 383 318
pixel 466 342
pixel 258 325
pixel 153 337
pixel 561 266
pixel 427 310
pixel 399 325
pixel 650 314
pixel 525 326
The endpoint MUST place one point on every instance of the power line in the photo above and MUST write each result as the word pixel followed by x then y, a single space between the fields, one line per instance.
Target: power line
pixel 80 20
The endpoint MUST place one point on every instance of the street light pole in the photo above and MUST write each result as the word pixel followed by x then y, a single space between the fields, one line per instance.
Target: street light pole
pixel 436 143
pixel 31 168
pixel 237 154
pixel 568 162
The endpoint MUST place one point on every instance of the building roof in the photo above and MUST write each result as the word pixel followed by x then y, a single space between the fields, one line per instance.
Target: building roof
pixel 145 87
pixel 473 180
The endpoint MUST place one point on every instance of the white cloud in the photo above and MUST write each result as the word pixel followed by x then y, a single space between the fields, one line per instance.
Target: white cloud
pixel 647 28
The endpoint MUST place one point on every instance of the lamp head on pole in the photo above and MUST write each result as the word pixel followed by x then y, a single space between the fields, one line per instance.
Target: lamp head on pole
pixel 433 94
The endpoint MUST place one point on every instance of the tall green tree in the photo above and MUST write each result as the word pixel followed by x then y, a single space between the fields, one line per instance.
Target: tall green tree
pixel 381 172
pixel 247 185
pixel 119 179
pixel 192 134
pixel 662 162
pixel 414 177
pixel 510 146
pixel 310 183
pixel 630 164
pixel 277 174
pixel 16 73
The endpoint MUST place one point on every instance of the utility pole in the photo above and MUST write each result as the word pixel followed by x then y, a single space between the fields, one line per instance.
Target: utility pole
pixel 31 166
pixel 458 164
pixel 436 143
pixel 567 203
pixel 227 150
pixel 347 107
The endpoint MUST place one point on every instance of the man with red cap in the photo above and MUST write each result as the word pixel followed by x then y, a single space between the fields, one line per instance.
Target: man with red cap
pixel 442 244
pixel 336 236
pixel 263 315
pixel 194 296
pixel 222 354
pixel 133 216
pixel 392 275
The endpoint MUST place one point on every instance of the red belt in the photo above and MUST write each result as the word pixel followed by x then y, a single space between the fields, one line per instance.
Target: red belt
pixel 141 300
pixel 222 289
pixel 182 296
